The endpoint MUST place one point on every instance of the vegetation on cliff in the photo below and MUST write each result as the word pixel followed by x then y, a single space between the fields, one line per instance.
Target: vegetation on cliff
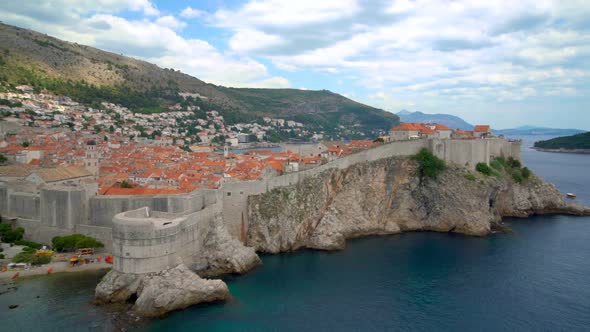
pixel 429 164
pixel 500 166
pixel 575 142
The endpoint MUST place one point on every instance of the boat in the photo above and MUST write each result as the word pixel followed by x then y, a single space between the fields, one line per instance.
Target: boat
pixel 570 195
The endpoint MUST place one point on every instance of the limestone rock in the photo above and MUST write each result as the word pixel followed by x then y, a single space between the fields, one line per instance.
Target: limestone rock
pixel 117 287
pixel 176 289
pixel 223 254
pixel 386 197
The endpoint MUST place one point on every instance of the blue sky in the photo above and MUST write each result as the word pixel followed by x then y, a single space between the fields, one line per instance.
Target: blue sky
pixel 507 63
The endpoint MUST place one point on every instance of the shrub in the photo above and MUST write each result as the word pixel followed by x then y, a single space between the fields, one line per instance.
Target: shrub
pixel 502 162
pixel 496 165
pixel 483 168
pixel 126 184
pixel 517 176
pixel 429 165
pixel 514 163
pixel 28 244
pixel 29 249
pixel 75 241
pixel 526 173
pixel 10 235
pixel 470 177
pixel 27 257
pixel 2 256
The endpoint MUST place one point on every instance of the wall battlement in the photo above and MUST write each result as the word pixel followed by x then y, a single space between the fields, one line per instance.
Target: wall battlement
pixel 152 233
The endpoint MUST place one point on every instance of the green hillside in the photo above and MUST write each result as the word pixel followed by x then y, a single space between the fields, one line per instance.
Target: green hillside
pixel 575 142
pixel 90 76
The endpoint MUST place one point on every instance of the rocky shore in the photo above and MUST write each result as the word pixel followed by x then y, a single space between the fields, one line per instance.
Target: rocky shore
pixel 162 292
pixel 386 197
pixel 322 212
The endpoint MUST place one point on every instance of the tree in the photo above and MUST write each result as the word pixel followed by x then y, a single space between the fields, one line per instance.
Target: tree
pixel 75 241
pixel 25 144
pixel 2 159
pixel 126 184
pixel 10 235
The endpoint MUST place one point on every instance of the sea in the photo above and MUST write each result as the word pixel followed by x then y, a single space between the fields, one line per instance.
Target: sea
pixel 536 278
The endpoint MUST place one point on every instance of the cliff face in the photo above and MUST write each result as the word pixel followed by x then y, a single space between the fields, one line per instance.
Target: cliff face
pixel 386 197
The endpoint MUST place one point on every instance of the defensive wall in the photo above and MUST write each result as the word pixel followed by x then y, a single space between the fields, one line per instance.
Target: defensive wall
pixel 150 233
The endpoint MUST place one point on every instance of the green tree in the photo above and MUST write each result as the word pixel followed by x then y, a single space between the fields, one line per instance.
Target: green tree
pixel 75 241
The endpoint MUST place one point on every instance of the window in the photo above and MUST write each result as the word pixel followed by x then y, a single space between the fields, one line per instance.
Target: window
pixel 228 194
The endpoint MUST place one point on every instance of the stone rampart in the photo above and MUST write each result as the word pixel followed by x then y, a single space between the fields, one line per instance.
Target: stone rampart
pixel 150 241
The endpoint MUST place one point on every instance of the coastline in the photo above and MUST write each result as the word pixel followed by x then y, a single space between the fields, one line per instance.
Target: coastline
pixel 58 267
pixel 574 151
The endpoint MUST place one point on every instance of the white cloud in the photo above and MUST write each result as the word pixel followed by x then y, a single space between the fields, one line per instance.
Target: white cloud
pixel 171 22
pixel 248 40
pixel 190 12
pixel 284 13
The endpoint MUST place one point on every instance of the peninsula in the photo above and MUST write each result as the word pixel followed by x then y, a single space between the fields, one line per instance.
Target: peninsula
pixel 579 143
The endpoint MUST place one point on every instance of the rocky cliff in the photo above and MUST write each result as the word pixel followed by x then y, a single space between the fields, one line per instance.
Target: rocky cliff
pixel 386 197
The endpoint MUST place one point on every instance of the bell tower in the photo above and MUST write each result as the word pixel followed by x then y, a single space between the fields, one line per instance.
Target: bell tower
pixel 91 160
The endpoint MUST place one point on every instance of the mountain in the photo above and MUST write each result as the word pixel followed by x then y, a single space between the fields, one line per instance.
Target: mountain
pixel 575 142
pixel 532 131
pixel 448 120
pixel 90 75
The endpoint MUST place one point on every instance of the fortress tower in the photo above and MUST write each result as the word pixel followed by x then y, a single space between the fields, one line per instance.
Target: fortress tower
pixel 91 160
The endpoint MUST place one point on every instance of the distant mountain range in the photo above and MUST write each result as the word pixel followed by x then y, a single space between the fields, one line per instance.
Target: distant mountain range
pixel 448 120
pixel 456 122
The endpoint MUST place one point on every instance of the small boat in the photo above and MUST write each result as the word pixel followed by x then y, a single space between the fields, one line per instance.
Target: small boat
pixel 570 195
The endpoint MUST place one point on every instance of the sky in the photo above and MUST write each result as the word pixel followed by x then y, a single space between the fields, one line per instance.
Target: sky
pixel 506 63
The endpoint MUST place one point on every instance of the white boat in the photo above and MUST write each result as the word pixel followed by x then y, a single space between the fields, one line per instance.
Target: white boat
pixel 570 195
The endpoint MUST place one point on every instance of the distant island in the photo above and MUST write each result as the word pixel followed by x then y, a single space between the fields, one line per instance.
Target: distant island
pixel 579 143
pixel 537 131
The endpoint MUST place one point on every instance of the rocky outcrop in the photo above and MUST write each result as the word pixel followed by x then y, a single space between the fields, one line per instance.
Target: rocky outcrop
pixel 159 293
pixel 386 197
pixel 224 254
pixel 176 289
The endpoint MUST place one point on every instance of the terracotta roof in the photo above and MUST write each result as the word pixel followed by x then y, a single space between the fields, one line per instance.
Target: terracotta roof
pixel 61 173
pixel 15 171
pixel 481 129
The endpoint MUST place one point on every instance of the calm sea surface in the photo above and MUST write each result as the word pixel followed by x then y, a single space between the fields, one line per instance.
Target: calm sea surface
pixel 535 279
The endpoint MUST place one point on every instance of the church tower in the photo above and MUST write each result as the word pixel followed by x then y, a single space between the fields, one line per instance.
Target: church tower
pixel 91 160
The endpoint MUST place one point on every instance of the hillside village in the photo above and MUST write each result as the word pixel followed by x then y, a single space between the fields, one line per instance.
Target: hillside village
pixel 61 141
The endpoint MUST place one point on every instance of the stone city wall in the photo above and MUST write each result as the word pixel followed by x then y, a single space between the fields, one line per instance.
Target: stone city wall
pixel 147 241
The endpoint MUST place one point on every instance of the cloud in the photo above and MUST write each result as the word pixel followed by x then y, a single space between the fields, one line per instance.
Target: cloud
pixel 170 21
pixel 190 12
pixel 249 40
pixel 154 39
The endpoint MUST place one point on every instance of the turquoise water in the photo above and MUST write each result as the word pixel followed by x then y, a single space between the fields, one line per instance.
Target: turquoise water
pixel 536 278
